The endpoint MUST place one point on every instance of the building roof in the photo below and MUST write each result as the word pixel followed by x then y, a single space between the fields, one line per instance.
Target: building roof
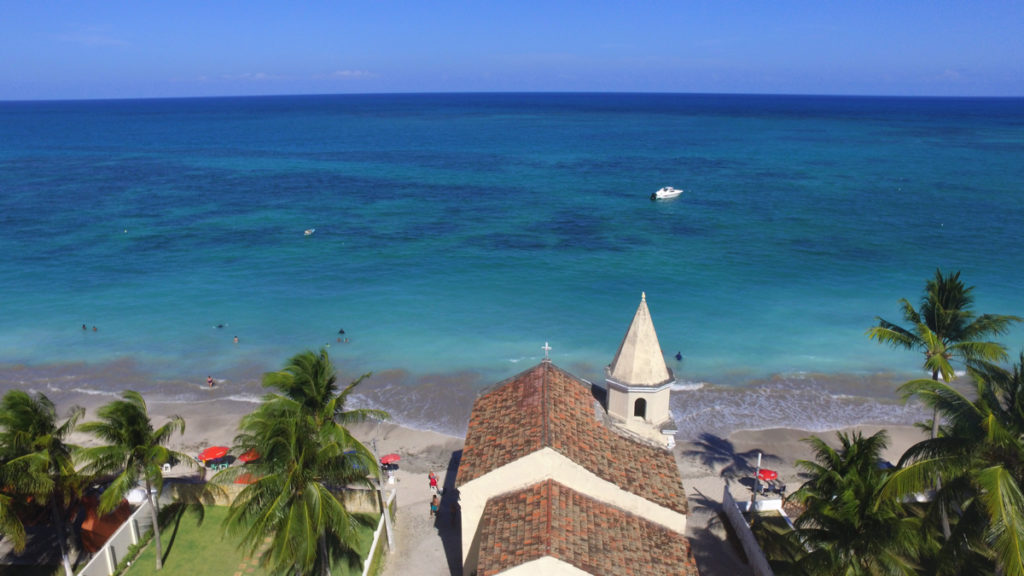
pixel 639 361
pixel 551 519
pixel 546 407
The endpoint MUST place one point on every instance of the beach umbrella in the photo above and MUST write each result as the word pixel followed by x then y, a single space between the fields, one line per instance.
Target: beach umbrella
pixel 245 479
pixel 249 456
pixel 213 453
pixel 390 458
pixel 766 475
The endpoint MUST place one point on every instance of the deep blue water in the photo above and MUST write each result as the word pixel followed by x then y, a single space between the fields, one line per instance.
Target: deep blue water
pixel 457 233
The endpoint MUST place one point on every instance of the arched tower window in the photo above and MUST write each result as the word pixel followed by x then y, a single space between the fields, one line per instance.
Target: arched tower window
pixel 640 408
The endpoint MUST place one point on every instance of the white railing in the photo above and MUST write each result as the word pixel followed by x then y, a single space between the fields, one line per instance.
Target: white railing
pixel 755 556
pixel 382 525
pixel 104 562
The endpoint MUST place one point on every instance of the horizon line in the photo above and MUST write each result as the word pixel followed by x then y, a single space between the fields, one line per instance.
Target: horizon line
pixel 513 92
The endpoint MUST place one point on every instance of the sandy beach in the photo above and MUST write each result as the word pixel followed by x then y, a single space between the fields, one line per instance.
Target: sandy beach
pixel 431 546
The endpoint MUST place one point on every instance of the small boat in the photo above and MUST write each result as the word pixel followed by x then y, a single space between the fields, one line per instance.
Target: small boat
pixel 666 193
pixel 309 232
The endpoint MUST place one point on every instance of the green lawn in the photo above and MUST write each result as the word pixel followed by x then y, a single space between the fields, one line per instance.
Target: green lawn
pixel 205 550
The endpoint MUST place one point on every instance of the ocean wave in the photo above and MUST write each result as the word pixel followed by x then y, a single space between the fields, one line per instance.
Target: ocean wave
pixel 87 391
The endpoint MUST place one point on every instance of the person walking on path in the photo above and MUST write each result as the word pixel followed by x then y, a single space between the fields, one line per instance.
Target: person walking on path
pixel 434 504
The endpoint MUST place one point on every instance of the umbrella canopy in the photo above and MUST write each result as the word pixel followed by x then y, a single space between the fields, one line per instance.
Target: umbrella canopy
pixel 213 453
pixel 390 458
pixel 245 479
pixel 767 475
pixel 249 456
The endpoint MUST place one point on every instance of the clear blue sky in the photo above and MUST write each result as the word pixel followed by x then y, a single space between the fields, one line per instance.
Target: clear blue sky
pixel 142 48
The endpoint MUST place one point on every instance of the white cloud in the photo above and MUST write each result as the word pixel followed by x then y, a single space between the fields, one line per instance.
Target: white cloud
pixel 251 77
pixel 344 74
pixel 950 75
pixel 91 37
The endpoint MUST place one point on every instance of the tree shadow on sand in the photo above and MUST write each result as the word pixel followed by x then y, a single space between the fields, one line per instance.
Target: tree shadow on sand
pixel 720 455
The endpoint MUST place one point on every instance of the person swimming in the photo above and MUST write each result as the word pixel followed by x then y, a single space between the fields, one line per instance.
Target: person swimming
pixel 209 381
pixel 679 356
pixel 341 331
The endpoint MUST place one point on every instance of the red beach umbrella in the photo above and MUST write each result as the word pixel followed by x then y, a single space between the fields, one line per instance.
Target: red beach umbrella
pixel 249 456
pixel 245 479
pixel 390 458
pixel 213 453
pixel 767 475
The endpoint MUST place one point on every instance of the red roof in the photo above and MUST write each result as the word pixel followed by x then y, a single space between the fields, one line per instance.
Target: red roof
pixel 548 407
pixel 551 519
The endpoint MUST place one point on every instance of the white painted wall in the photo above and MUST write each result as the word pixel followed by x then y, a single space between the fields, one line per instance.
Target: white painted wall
pixel 545 565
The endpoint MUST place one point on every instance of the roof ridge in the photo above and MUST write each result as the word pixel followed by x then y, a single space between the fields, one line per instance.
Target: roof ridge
pixel 545 384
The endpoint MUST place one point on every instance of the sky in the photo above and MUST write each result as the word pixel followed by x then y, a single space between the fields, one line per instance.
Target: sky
pixel 86 49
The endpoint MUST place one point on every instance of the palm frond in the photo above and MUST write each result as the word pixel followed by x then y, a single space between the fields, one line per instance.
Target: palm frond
pixel 1002 498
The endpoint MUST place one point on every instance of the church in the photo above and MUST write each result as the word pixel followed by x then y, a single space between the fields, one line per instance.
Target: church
pixel 554 481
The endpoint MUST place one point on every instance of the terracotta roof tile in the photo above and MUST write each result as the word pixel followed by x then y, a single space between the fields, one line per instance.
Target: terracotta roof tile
pixel 551 519
pixel 546 406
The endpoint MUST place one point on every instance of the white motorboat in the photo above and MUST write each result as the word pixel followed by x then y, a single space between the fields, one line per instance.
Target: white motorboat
pixel 666 193
pixel 309 232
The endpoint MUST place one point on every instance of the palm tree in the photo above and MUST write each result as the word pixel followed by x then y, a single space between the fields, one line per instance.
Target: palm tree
pixel 980 456
pixel 847 527
pixel 306 456
pixel 134 451
pixel 38 461
pixel 10 524
pixel 945 328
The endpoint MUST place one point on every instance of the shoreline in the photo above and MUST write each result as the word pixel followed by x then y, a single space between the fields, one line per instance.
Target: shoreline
pixel 442 402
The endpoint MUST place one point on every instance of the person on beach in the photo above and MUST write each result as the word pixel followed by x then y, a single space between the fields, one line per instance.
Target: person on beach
pixel 433 482
pixel 434 504
pixel 209 381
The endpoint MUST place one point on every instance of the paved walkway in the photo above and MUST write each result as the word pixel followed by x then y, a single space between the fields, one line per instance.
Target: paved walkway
pixel 420 538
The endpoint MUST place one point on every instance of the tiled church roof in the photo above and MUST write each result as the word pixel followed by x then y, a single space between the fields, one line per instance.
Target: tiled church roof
pixel 546 407
pixel 550 519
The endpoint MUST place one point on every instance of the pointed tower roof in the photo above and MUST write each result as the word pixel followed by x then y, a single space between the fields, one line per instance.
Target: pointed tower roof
pixel 639 361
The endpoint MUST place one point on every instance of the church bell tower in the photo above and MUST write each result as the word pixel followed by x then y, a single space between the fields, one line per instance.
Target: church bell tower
pixel 639 382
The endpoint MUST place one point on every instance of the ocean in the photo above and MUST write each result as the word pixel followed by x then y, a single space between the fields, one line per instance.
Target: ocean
pixel 456 234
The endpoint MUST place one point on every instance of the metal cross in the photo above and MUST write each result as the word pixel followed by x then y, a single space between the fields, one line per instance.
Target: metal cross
pixel 546 349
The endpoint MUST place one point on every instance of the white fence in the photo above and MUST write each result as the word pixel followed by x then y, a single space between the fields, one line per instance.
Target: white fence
pixel 379 532
pixel 755 556
pixel 130 533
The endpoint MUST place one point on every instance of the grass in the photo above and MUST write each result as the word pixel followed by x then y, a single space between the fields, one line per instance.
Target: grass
pixel 191 550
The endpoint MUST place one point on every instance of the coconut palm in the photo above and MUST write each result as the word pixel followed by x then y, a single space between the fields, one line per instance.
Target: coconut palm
pixel 980 456
pixel 945 328
pixel 306 456
pixel 134 451
pixel 38 461
pixel 847 527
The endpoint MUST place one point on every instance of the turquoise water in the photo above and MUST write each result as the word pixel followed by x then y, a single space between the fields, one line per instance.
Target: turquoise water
pixel 456 234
